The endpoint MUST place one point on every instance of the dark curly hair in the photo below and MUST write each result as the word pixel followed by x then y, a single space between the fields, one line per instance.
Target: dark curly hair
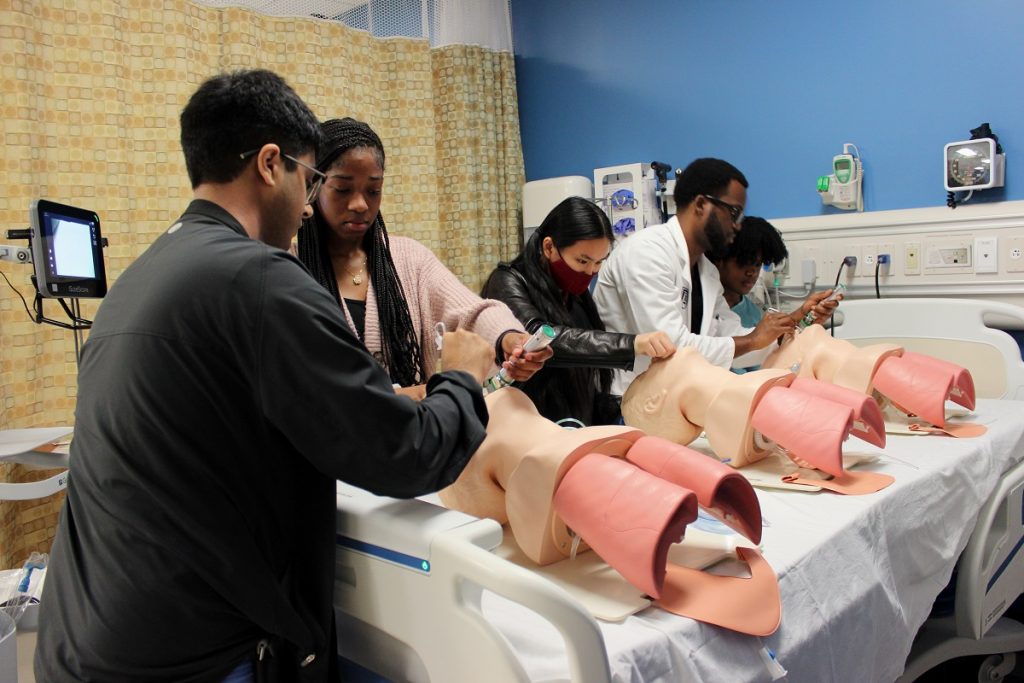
pixel 758 242
pixel 402 355
pixel 241 111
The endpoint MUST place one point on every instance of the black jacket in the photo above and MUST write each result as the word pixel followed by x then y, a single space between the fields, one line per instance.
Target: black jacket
pixel 220 395
pixel 568 385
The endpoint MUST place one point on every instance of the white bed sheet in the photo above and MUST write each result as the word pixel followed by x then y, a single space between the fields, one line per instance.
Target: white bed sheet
pixel 858 574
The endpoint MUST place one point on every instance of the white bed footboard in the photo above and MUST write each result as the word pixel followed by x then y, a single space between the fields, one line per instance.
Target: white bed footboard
pixel 410 576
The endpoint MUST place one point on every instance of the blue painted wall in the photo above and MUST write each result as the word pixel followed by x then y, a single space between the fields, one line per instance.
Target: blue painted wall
pixel 774 87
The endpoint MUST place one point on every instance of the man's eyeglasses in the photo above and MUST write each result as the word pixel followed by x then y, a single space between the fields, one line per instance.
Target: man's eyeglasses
pixel 735 212
pixel 312 186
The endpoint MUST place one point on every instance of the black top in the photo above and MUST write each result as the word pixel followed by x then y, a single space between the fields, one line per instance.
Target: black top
pixel 697 304
pixel 567 385
pixel 357 309
pixel 221 393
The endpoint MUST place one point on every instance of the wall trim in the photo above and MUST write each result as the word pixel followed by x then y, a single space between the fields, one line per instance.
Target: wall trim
pixel 927 219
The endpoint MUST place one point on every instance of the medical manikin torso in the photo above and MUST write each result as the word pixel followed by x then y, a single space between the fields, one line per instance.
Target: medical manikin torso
pixel 682 396
pixel 747 417
pixel 813 352
pixel 912 383
pixel 628 496
pixel 513 476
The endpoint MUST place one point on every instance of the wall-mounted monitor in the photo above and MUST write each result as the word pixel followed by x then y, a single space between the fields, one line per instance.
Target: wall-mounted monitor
pixel 67 249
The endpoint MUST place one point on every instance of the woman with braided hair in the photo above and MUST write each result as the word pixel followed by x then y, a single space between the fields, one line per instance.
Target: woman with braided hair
pixel 392 289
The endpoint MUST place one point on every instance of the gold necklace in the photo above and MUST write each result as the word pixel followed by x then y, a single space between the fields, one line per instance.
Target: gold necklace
pixel 357 277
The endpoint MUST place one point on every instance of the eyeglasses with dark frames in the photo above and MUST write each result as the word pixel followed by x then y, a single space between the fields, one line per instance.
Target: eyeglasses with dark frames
pixel 735 211
pixel 312 186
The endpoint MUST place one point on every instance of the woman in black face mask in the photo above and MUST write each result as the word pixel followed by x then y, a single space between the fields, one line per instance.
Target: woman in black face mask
pixel 548 284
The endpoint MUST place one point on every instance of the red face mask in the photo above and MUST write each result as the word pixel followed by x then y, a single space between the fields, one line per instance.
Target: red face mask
pixel 571 281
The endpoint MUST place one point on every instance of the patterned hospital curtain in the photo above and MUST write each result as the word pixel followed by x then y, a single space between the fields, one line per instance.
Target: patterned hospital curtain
pixel 90 94
pixel 480 159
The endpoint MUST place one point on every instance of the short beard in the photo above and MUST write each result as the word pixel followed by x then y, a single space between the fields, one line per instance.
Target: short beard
pixel 714 235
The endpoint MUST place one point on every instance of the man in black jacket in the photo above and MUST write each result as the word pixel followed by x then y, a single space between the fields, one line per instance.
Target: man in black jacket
pixel 220 396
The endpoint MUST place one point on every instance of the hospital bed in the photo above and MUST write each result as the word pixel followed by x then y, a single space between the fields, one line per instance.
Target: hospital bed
pixel 990 572
pixel 409 602
pixel 420 596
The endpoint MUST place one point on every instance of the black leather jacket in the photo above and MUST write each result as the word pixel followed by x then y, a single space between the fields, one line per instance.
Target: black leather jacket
pixel 568 384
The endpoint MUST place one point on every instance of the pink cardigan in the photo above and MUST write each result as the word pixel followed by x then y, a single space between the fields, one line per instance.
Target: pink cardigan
pixel 434 295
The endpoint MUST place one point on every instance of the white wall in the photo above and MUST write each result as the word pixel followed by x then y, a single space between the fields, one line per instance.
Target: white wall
pixel 827 239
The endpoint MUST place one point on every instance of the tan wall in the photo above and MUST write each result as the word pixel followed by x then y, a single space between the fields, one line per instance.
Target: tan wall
pixel 90 94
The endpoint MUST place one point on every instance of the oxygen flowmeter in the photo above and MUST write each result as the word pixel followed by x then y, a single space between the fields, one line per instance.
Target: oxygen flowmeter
pixel 843 189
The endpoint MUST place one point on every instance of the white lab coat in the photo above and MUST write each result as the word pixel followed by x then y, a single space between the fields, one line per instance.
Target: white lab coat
pixel 645 286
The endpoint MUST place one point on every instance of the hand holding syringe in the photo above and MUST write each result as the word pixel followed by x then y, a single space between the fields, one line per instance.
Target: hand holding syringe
pixel 540 339
pixel 810 317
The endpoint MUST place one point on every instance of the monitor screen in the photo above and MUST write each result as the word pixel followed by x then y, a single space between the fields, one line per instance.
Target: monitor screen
pixel 67 251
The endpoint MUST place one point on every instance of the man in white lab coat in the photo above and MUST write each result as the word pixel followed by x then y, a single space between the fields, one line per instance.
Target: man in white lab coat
pixel 660 279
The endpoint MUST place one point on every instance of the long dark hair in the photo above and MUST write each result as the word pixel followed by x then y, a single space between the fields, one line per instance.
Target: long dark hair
pixel 572 220
pixel 400 347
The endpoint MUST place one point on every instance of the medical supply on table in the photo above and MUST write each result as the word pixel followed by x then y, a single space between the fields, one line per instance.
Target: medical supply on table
pixel 844 188
pixel 808 319
pixel 21 589
pixel 541 339
pixel 771 662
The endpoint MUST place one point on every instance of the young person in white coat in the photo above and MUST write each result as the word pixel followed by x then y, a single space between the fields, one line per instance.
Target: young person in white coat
pixel 660 278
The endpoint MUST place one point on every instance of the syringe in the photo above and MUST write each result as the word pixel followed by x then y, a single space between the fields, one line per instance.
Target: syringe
pixel 808 319
pixel 542 338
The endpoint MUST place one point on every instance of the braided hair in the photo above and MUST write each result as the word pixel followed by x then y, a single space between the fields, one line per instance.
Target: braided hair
pixel 401 352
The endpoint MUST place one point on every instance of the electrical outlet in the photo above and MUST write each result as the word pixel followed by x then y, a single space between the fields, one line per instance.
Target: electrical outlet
pixel 849 255
pixel 912 258
pixel 868 259
pixel 1014 250
pixel 887 269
